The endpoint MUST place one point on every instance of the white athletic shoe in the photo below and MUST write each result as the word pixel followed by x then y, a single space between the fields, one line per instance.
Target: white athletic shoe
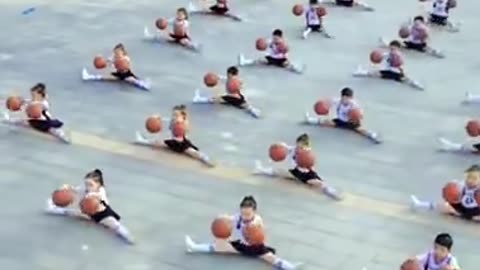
pixel 241 60
pixel 446 145
pixel 197 97
pixel 311 120
pixel 140 139
pixel 6 117
pixel 305 34
pixel 189 243
pixel 360 72
pixel 147 35
pixel 85 75
pixel 258 169
pixel 383 42
pixel 414 202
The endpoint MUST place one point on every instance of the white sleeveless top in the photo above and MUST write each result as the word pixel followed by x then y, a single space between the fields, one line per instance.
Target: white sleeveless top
pixel 440 8
pixel 101 193
pixel 468 197
pixel 274 52
pixel 312 17
pixel 343 110
pixel 239 225
pixel 415 34
pixel 427 261
pixel 387 65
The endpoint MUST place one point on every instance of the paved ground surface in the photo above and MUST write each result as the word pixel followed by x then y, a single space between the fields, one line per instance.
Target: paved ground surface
pixel 162 197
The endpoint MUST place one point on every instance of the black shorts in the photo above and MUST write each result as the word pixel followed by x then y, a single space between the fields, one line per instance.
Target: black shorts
pixel 279 62
pixel 346 125
pixel 251 250
pixel 304 176
pixel 315 27
pixel 107 212
pixel 438 20
pixel 477 146
pixel 45 125
pixel 345 3
pixel 391 75
pixel 218 10
pixel 122 75
pixel 178 38
pixel 179 146
pixel 467 213
pixel 421 47
pixel 234 101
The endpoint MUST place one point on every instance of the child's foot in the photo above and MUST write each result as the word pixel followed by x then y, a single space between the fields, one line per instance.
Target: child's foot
pixel 241 60
pixel 414 202
pixel 143 84
pixel 311 120
pixel 298 68
pixel 437 53
pixel 189 244
pixel 416 85
pixel 332 193
pixel 305 34
pixel 258 169
pixel 191 7
pixel 85 75
pixel 254 112
pixel 448 146
pixel 383 42
pixel 468 98
pixel 360 72
pixel 197 97
pixel 375 137
pixel 6 117
pixel 140 139
pixel 147 35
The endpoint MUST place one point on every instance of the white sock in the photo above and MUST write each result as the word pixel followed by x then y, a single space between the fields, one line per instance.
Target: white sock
pixel 259 169
pixel 254 111
pixel 6 117
pixel 199 99
pixel 330 192
pixel 417 204
pixel 204 157
pixel 123 232
pixel 198 248
pixel 306 32
pixel 59 133
pixel 55 210
pixel 140 139
pixel 285 265
pixel 450 146
pixel 311 119
pixel 142 84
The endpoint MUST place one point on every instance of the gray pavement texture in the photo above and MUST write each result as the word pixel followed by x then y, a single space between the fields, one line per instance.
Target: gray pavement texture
pixel 160 204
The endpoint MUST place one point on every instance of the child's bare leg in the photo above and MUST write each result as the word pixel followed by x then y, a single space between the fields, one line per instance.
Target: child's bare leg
pixel 449 146
pixel 327 190
pixel 292 67
pixel 115 226
pixel 364 6
pixel 199 156
pixel 242 61
pixel 233 17
pixel 260 169
pixel 189 44
pixel 443 207
pixel 279 263
pixel 255 112
pixel 314 120
pixel 198 98
pixel 18 122
pixel 52 209
pixel 143 140
pixel 139 83
pixel 60 134
pixel 218 246
pixel 367 133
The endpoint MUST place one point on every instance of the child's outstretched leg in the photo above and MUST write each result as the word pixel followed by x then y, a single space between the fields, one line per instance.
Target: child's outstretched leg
pixel 434 52
pixel 117 227
pixel 187 43
pixel 244 62
pixel 142 140
pixel 145 85
pixel 412 83
pixel 60 134
pixel 364 6
pixel 365 73
pixel 326 189
pixel 444 208
pixel 373 136
pixel 448 146
pixel 217 246
pixel 260 169
pixel 97 77
pixel 200 156
pixel 253 111
pixel 6 119
pixel 280 263
pixel 198 98
pixel 52 209
pixel 471 99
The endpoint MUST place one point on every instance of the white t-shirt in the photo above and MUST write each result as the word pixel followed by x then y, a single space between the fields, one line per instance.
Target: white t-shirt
pixel 427 262
pixel 387 65
pixel 416 32
pixel 239 225
pixel 343 110
pixel 101 193
pixel 312 17
pixel 440 8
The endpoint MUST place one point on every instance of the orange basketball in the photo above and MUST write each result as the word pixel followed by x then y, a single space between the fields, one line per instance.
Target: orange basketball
pixel 121 64
pixel 298 10
pixel 210 79
pixel 278 152
pixel 282 47
pixel 178 130
pixel 404 32
pixel 376 56
pixel 321 11
pixel 477 197
pixel 153 124
pixel 99 62
pixel 14 103
pixel 221 228
pixel 355 115
pixel 261 44
pixel 62 197
pixel 161 23
pixel 452 4
pixel 234 85
pixel 304 158
pixel 473 128
pixel 34 110
pixel 89 205
pixel 321 107
pixel 410 264
pixel 452 193
pixel 254 234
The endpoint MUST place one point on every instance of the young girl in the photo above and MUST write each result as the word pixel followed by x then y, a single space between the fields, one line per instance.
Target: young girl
pixel 46 123
pixel 305 175
pixel 178 144
pixel 468 207
pixel 439 14
pixel 470 146
pixel 220 8
pixel 232 97
pixel 389 72
pixel 343 108
pixel 119 54
pixel 314 23
pixel 440 257
pixel 348 3
pixel 94 186
pixel 247 216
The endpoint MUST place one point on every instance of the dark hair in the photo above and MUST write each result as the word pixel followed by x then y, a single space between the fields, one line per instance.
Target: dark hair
pixel 277 32
pixel 97 176
pixel 40 88
pixel 303 138
pixel 347 92
pixel 248 201
pixel 120 46
pixel 313 2
pixel 184 11
pixel 419 18
pixel 473 168
pixel 444 240
pixel 232 70
pixel 395 43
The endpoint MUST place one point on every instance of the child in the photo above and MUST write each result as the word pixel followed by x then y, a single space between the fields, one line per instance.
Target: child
pixel 232 97
pixel 343 108
pixel 119 54
pixel 105 215
pixel 467 208
pixel 178 144
pixel 440 256
pixel 472 145
pixel 348 3
pixel 314 23
pixel 305 175
pixel 247 216
pixel 276 56
pixel 389 72
pixel 220 8
pixel 439 15
pixel 471 99
pixel 46 123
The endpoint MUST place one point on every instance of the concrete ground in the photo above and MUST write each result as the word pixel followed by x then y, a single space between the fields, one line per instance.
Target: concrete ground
pixel 162 197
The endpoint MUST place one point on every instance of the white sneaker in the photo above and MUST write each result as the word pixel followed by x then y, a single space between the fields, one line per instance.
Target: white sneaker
pixel 311 119
pixel 197 97
pixel 6 117
pixel 299 68
pixel 140 139
pixel 254 112
pixel 383 42
pixel 258 169
pixel 360 72
pixel 85 75
pixel 191 7
pixel 305 34
pixel 445 145
pixel 147 35
pixel 189 243
pixel 414 202
pixel 241 60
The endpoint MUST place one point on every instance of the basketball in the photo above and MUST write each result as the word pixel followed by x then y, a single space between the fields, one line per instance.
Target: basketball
pixel 34 110
pixel 396 60
pixel 261 44
pixel 210 79
pixel 321 107
pixel 282 47
pixel 178 130
pixel 404 32
pixel 278 152
pixel 234 85
pixel 14 103
pixel 422 32
pixel 89 205
pixel 161 23
pixel 121 64
pixel 222 228
pixel 305 158
pixel 477 197
pixel 62 197
pixel 452 4
pixel 376 56
pixel 452 193
pixel 297 10
pixel 99 62
pixel 355 115
pixel 321 11
pixel 153 124
pixel 473 128
pixel 254 234
pixel 410 265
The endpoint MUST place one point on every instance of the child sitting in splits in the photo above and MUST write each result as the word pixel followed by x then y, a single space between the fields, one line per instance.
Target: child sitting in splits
pixel 220 8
